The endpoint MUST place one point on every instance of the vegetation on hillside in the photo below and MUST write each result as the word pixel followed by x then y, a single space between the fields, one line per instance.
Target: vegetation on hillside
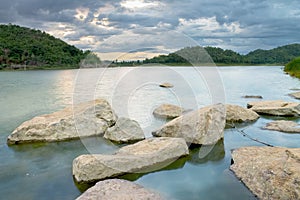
pixel 20 46
pixel 293 67
pixel 200 55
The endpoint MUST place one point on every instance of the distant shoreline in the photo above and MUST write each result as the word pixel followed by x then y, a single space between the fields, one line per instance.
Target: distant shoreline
pixel 145 65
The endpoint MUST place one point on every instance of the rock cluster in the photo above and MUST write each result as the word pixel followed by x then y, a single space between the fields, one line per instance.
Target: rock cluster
pixel 83 120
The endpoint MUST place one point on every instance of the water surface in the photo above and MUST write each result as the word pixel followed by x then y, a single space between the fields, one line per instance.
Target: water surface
pixel 44 171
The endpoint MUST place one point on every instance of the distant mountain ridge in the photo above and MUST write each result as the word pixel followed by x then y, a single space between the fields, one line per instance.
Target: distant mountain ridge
pixel 188 55
pixel 20 46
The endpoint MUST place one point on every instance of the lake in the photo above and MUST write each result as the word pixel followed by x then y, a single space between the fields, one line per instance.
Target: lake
pixel 44 171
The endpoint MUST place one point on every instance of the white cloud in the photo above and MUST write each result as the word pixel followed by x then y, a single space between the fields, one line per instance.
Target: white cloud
pixel 139 4
pixel 208 26
pixel 82 13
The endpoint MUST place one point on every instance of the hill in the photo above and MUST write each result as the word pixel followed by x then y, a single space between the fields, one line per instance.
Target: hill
pixel 20 46
pixel 186 56
pixel 293 67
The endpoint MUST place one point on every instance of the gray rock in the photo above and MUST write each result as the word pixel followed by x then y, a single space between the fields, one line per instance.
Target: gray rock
pixel 125 131
pixel 252 97
pixel 166 85
pixel 142 157
pixel 168 111
pixel 116 189
pixel 269 172
pixel 204 126
pixel 283 126
pixel 295 95
pixel 277 108
pixel 82 120
pixel 235 113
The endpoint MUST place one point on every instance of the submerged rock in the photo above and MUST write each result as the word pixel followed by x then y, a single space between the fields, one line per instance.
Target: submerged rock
pixel 235 113
pixel 252 97
pixel 142 157
pixel 125 131
pixel 204 126
pixel 269 172
pixel 168 111
pixel 115 189
pixel 277 108
pixel 83 120
pixel 166 85
pixel 283 126
pixel 296 95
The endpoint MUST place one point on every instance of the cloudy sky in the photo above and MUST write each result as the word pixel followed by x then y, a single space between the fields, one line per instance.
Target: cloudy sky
pixel 146 28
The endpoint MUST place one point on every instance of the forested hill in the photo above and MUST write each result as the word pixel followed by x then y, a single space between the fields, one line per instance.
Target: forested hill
pixel 21 46
pixel 280 55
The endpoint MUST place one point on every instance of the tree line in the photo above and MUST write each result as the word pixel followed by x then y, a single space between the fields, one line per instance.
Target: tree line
pixel 199 55
pixel 20 46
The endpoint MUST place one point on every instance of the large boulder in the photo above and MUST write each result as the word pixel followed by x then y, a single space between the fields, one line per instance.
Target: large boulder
pixel 83 120
pixel 295 95
pixel 283 126
pixel 277 108
pixel 204 126
pixel 235 113
pixel 142 157
pixel 269 172
pixel 168 111
pixel 116 189
pixel 125 131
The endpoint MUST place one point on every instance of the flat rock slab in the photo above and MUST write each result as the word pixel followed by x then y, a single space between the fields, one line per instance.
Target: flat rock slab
pixel 277 108
pixel 295 95
pixel 125 131
pixel 168 111
pixel 269 172
pixel 204 126
pixel 116 189
pixel 166 85
pixel 283 126
pixel 235 113
pixel 83 120
pixel 142 157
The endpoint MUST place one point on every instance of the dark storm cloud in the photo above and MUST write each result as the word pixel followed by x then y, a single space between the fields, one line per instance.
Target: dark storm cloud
pixel 241 25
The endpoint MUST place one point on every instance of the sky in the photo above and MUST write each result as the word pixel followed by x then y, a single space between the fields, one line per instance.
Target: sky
pixel 135 29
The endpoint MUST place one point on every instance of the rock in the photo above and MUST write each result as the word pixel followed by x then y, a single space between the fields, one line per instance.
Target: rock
pixel 283 126
pixel 125 131
pixel 115 189
pixel 252 97
pixel 204 126
pixel 168 111
pixel 142 157
pixel 235 113
pixel 296 95
pixel 166 85
pixel 277 108
pixel 82 120
pixel 269 172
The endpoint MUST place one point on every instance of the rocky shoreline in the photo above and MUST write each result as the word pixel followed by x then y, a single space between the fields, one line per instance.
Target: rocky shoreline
pixel 259 168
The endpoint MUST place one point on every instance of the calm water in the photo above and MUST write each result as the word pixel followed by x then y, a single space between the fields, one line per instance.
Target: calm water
pixel 44 171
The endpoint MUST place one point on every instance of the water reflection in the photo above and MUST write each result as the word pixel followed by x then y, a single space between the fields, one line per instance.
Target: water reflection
pixel 217 152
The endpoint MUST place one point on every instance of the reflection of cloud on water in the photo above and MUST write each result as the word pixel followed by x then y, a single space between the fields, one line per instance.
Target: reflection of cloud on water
pixel 217 153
